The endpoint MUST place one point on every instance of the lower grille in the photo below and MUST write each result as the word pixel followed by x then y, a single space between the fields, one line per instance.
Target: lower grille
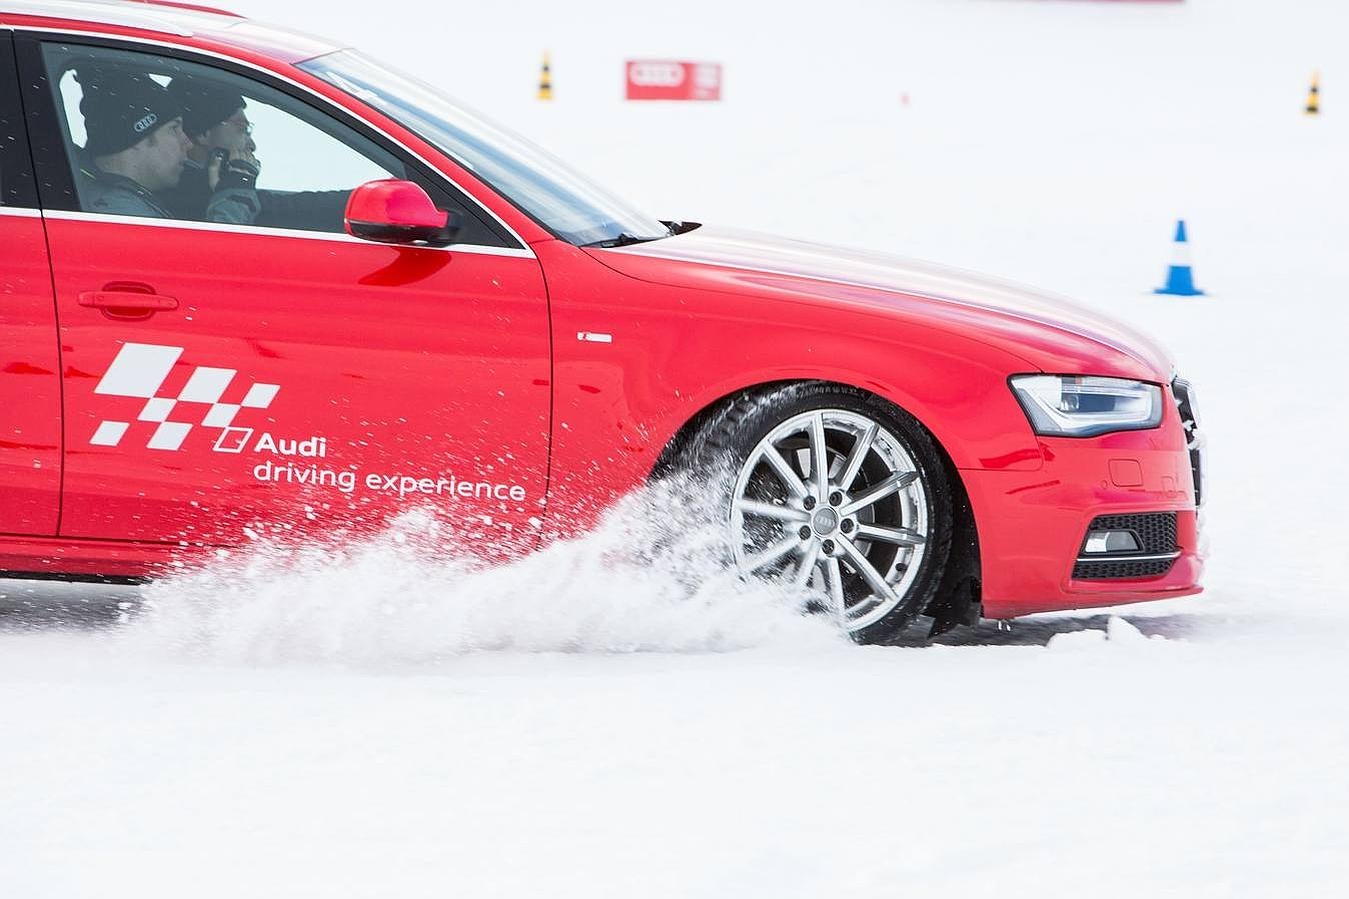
pixel 1155 533
pixel 1120 569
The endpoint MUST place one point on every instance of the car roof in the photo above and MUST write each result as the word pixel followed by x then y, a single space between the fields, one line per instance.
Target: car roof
pixel 165 17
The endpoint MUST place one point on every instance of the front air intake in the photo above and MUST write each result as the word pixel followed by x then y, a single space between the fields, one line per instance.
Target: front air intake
pixel 1150 547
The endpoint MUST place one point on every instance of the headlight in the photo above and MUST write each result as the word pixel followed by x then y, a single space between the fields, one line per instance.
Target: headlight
pixel 1083 406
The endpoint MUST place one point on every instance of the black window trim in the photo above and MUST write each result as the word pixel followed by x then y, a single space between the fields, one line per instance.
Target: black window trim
pixel 56 189
pixel 18 185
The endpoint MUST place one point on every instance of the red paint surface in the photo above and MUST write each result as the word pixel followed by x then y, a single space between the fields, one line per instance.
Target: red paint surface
pixel 30 387
pixel 406 361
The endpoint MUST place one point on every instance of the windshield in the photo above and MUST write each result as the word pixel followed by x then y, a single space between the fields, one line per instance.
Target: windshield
pixel 561 200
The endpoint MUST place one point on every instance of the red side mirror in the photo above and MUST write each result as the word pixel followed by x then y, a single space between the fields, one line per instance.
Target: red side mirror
pixel 399 212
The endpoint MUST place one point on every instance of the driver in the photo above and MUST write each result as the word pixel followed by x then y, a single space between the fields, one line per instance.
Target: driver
pixel 219 155
pixel 221 161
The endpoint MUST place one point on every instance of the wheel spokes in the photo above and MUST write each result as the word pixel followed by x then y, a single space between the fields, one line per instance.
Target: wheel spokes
pixel 772 553
pixel 785 471
pixel 893 484
pixel 771 510
pixel 808 564
pixel 897 536
pixel 859 453
pixel 863 566
pixel 833 579
pixel 819 456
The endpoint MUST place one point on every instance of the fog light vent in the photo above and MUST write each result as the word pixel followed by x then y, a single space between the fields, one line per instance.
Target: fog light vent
pixel 1128 546
pixel 1112 542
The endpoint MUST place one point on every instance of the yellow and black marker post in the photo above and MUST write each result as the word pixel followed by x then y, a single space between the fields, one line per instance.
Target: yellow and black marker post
pixel 1314 98
pixel 545 80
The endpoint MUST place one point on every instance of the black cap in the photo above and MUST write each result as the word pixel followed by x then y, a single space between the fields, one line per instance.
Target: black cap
pixel 121 109
pixel 204 104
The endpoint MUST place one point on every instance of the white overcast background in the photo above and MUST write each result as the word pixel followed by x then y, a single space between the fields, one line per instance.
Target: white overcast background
pixel 385 725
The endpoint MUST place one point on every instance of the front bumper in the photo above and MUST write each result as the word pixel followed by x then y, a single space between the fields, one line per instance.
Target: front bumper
pixel 1032 525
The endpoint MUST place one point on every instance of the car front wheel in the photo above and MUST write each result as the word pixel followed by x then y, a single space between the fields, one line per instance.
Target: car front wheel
pixel 837 493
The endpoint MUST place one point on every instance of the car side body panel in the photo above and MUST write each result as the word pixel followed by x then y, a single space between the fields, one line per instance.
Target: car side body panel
pixel 296 374
pixel 66 559
pixel 299 382
pixel 30 381
pixel 30 370
pixel 666 353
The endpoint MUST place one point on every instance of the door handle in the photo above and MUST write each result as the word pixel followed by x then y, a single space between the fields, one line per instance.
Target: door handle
pixel 128 300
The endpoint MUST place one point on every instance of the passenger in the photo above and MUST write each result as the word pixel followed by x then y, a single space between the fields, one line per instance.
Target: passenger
pixel 136 148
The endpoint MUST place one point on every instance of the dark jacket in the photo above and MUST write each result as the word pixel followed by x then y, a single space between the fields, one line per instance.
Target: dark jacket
pixel 304 210
pixel 192 195
pixel 102 191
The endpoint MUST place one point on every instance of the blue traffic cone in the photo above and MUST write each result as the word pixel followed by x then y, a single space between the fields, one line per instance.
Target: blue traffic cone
pixel 1180 277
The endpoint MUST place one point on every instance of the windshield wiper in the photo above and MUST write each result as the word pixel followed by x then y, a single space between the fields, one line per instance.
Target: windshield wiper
pixel 623 240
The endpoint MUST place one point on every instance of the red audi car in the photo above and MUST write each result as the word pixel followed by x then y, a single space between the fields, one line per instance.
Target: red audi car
pixel 252 279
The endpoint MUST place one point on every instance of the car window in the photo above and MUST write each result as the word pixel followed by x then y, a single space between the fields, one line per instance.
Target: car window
pixel 156 136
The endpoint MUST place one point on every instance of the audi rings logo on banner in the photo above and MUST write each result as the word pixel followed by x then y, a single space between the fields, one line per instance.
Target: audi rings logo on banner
pixel 656 74
pixel 672 79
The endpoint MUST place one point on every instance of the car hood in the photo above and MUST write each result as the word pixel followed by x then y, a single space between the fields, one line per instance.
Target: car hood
pixel 1051 332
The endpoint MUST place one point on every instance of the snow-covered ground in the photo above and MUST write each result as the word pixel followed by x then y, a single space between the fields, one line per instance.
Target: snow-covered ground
pixel 386 724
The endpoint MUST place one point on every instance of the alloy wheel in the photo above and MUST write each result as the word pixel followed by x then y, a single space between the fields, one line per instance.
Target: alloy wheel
pixel 831 502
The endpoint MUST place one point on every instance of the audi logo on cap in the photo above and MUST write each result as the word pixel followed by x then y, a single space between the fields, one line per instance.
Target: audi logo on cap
pixel 656 74
pixel 146 123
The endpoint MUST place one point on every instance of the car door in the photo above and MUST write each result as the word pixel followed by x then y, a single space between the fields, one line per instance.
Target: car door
pixel 225 379
pixel 30 381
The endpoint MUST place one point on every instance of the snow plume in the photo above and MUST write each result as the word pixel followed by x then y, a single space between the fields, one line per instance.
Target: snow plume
pixel 649 578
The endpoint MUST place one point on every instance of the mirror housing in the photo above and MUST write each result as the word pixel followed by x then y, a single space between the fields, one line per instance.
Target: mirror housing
pixel 398 212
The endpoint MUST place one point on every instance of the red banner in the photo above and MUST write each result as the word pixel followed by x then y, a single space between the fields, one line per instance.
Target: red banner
pixel 665 79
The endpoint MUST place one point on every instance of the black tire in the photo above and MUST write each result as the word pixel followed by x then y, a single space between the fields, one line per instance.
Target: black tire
pixel 717 453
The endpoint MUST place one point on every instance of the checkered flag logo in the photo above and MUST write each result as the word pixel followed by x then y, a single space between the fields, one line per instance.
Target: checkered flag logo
pixel 140 371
